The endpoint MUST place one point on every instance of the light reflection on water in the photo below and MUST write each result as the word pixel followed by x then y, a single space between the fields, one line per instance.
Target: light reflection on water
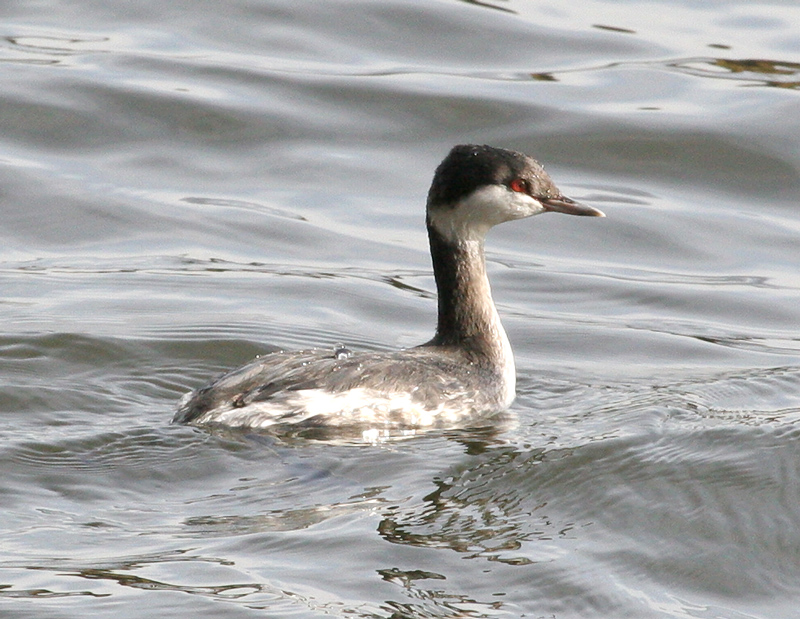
pixel 184 188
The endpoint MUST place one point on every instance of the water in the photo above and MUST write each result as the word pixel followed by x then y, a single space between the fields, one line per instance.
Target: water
pixel 185 185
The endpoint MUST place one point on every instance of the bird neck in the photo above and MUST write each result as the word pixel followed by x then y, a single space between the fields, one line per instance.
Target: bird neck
pixel 467 315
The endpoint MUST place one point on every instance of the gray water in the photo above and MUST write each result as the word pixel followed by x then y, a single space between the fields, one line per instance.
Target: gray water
pixel 184 185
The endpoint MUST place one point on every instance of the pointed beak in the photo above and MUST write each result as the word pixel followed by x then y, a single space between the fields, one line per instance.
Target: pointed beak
pixel 562 204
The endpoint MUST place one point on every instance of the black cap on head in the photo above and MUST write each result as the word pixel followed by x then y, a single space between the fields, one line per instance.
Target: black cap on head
pixel 469 166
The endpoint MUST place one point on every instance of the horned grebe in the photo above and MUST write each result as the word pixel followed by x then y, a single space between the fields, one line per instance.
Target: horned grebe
pixel 463 374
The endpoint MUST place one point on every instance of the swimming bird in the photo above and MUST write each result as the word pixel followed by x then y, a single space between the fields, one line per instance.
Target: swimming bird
pixel 463 374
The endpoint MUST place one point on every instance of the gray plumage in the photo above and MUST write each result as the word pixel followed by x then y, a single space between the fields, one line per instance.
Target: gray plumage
pixel 430 377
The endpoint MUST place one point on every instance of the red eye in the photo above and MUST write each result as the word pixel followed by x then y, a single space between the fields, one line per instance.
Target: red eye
pixel 519 184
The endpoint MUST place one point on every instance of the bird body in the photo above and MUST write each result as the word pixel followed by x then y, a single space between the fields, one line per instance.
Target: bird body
pixel 464 373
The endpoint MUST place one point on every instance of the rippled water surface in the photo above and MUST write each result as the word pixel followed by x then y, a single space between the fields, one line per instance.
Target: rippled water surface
pixel 185 185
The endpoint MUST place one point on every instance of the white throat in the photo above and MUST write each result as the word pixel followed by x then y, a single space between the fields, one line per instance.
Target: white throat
pixel 472 217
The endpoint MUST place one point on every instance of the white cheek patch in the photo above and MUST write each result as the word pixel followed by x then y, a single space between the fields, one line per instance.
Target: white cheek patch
pixel 472 217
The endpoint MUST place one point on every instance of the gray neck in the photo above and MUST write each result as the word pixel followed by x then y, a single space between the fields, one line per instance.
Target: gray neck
pixel 467 314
